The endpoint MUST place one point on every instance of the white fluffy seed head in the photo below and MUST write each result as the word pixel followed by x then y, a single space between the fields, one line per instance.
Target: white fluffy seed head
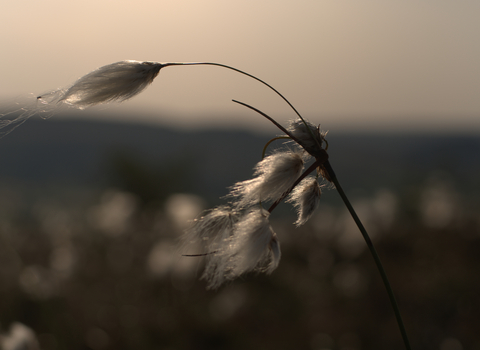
pixel 305 198
pixel 275 175
pixel 212 230
pixel 114 82
pixel 310 138
pixel 253 246
pixel 212 234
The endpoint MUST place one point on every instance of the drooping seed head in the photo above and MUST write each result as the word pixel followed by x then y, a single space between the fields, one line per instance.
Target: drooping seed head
pixel 305 198
pixel 252 246
pixel 114 82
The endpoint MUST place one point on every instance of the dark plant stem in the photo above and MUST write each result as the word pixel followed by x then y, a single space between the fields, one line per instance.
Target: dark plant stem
pixel 266 116
pixel 322 160
pixel 373 251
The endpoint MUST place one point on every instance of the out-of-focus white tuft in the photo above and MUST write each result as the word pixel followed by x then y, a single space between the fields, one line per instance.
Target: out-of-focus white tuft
pixel 275 175
pixel 253 246
pixel 305 198
pixel 114 82
pixel 20 337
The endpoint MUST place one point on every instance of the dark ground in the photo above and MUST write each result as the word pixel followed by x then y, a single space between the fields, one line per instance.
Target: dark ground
pixel 90 222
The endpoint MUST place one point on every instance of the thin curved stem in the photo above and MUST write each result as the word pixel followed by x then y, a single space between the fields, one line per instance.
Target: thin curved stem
pixel 269 142
pixel 201 254
pixel 239 71
pixel 269 118
pixel 248 75
pixel 373 251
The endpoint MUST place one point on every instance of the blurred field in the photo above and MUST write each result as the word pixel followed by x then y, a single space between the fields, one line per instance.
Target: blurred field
pixel 91 214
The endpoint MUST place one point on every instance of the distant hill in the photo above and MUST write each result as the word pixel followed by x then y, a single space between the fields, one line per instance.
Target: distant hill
pixel 155 161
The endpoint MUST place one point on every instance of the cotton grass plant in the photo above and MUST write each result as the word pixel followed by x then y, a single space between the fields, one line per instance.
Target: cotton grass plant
pixel 235 238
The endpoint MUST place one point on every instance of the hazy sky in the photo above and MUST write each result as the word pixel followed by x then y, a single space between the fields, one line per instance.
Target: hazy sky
pixel 410 64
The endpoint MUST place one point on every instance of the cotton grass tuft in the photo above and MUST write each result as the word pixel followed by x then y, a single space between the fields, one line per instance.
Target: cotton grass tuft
pixel 114 82
pixel 309 136
pixel 305 198
pixel 252 246
pixel 212 230
pixel 275 175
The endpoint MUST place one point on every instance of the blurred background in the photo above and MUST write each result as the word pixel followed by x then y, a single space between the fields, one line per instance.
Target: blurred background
pixel 93 202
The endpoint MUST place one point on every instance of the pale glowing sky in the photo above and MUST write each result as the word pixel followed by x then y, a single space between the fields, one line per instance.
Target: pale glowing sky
pixel 381 64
